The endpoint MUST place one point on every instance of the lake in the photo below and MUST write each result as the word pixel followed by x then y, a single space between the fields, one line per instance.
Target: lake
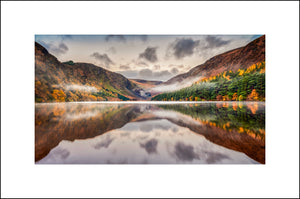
pixel 150 133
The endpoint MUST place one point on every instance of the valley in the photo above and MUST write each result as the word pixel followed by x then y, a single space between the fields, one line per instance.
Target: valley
pixel 236 75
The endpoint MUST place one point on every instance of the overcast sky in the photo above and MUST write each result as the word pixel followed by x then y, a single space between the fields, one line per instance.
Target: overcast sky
pixel 151 57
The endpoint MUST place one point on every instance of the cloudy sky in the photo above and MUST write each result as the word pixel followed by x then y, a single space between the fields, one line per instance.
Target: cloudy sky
pixel 151 57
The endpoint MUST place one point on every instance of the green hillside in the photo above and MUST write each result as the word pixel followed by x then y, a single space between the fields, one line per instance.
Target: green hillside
pixel 248 84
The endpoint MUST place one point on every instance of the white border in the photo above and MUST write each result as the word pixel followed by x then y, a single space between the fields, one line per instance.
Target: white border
pixel 20 177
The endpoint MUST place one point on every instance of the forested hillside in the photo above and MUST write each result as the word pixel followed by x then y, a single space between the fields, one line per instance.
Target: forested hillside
pixel 248 84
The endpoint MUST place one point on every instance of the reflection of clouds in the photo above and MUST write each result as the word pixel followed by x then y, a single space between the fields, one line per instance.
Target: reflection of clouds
pixel 150 127
pixel 104 143
pixel 175 116
pixel 131 145
pixel 214 157
pixel 174 129
pixel 63 153
pixel 57 154
pixel 143 137
pixel 185 152
pixel 125 134
pixel 150 146
pixel 146 128
pixel 123 161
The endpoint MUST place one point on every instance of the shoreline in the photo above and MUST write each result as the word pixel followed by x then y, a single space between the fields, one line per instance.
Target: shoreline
pixel 149 102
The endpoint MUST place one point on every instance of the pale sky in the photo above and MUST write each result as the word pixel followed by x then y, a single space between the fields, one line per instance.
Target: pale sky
pixel 151 57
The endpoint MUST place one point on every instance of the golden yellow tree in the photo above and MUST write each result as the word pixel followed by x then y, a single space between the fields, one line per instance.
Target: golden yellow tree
pixel 59 95
pixel 240 98
pixel 225 98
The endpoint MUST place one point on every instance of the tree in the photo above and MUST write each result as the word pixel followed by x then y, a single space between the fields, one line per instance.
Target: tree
pixel 219 98
pixel 234 97
pixel 225 98
pixel 253 96
pixel 59 95
pixel 240 98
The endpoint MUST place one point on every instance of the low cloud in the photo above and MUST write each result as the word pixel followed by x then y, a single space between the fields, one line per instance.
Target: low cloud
pixel 75 87
pixel 181 48
pixel 124 67
pixel 213 42
pixel 145 73
pixel 138 63
pixel 111 50
pixel 156 67
pixel 130 74
pixel 125 38
pixel 174 71
pixel 177 66
pixel 149 54
pixel 144 38
pixel 175 86
pixel 63 37
pixel 63 47
pixel 157 75
pixel 56 49
pixel 103 58
pixel 162 73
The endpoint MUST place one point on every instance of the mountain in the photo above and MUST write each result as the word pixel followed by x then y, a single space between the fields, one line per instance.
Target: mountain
pixel 146 82
pixel 240 58
pixel 69 81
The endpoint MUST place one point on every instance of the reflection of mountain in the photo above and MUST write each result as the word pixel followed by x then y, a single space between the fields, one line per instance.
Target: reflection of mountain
pixel 56 81
pixel 57 122
pixel 236 128
pixel 132 144
pixel 238 131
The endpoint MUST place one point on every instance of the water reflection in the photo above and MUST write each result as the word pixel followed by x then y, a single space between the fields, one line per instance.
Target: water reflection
pixel 139 133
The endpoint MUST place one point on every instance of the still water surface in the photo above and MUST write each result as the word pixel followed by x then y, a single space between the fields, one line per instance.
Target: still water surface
pixel 133 133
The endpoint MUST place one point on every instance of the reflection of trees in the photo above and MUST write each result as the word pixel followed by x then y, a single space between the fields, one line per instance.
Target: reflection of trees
pixel 231 125
pixel 234 127
pixel 228 116
pixel 57 122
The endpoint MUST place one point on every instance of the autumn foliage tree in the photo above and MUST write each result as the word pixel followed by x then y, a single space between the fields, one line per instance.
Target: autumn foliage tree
pixel 234 97
pixel 219 98
pixel 59 95
pixel 253 96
